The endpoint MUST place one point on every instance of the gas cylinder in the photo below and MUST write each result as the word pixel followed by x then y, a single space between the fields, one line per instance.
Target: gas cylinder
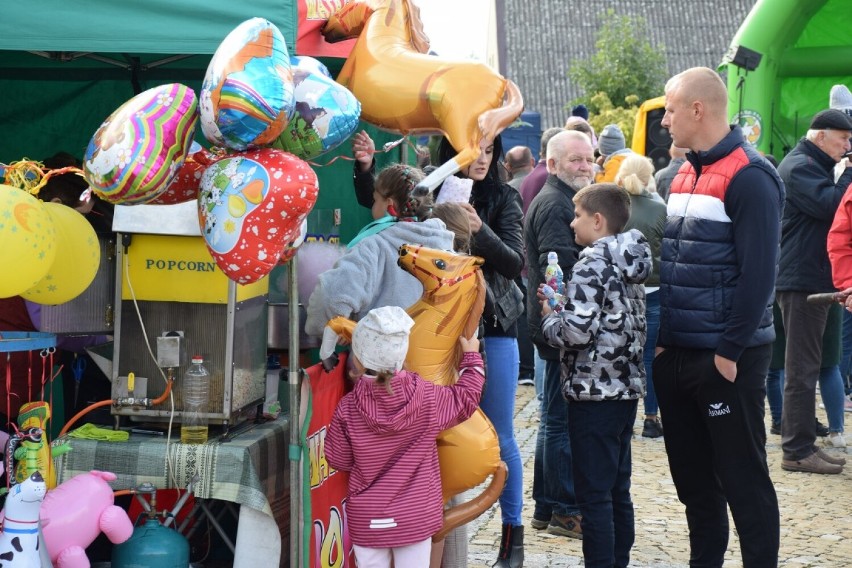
pixel 152 546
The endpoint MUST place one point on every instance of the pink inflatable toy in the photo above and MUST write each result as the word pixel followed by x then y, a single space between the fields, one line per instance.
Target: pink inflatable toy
pixel 74 514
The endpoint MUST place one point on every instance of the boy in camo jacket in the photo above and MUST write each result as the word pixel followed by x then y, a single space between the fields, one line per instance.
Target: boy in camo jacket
pixel 600 333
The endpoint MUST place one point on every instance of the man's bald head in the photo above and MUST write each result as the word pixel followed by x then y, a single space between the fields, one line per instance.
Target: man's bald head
pixel 696 109
pixel 702 85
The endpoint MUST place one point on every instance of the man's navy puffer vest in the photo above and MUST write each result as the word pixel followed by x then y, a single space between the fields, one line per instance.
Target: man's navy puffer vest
pixel 698 268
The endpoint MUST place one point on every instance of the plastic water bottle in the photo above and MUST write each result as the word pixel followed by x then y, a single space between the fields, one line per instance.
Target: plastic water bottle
pixel 555 280
pixel 196 395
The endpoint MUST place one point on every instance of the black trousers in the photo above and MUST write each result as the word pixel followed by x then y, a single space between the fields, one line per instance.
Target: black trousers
pixel 716 445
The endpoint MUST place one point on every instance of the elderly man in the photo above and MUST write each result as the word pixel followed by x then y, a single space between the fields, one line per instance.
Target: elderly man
pixel 718 261
pixel 812 200
pixel 570 167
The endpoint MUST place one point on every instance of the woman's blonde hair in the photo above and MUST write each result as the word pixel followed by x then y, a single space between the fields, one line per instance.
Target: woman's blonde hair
pixel 457 221
pixel 636 174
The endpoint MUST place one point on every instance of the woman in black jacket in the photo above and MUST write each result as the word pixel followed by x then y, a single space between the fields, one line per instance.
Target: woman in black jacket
pixel 496 219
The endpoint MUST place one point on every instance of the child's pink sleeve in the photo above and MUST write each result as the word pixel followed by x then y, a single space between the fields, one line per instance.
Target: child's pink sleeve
pixel 458 402
pixel 338 447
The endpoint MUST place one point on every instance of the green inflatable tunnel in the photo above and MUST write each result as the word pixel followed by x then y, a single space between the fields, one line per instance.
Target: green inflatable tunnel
pixel 781 65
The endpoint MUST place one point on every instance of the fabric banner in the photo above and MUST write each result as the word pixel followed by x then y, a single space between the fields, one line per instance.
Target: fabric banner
pixel 329 536
pixel 309 41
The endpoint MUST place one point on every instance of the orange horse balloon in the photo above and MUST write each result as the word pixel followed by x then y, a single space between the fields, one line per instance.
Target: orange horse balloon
pixel 401 88
pixel 451 305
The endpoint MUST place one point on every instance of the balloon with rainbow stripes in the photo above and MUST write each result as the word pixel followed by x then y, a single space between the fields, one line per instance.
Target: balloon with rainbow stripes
pixel 247 97
pixel 139 148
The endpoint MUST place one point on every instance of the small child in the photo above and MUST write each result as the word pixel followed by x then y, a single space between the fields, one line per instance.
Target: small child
pixel 600 334
pixel 383 433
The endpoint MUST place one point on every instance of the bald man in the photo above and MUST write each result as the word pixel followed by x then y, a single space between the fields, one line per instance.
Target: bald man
pixel 717 274
pixel 519 162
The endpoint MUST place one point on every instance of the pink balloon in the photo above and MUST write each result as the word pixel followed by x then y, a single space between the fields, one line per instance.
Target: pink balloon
pixel 74 513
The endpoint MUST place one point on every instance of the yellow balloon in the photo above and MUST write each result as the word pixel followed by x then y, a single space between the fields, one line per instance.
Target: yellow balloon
pixel 77 258
pixel 27 241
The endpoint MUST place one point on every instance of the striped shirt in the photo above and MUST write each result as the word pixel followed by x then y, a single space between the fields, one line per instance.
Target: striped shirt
pixel 387 443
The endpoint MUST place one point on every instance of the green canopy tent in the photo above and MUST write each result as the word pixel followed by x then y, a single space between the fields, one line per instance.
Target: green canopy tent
pixel 782 63
pixel 65 66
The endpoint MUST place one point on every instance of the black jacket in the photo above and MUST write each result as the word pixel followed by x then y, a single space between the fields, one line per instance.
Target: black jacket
pixel 548 228
pixel 809 208
pixel 499 241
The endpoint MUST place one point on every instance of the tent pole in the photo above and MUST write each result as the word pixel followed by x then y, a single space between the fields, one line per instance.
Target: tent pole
pixel 294 380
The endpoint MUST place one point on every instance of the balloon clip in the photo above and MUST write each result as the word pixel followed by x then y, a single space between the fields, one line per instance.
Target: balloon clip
pixel 392 144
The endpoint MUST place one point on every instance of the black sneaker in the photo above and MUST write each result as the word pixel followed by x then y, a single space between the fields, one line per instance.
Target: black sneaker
pixel 526 380
pixel 821 429
pixel 775 428
pixel 539 524
pixel 652 428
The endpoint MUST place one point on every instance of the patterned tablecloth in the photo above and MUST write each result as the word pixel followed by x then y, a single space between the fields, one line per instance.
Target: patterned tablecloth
pixel 251 469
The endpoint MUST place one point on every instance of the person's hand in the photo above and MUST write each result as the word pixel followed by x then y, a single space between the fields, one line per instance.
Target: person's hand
pixel 845 298
pixel 546 310
pixel 363 148
pixel 469 344
pixel 658 351
pixel 726 367
pixel 473 217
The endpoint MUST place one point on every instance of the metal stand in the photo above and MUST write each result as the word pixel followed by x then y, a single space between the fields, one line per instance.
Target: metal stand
pixel 294 376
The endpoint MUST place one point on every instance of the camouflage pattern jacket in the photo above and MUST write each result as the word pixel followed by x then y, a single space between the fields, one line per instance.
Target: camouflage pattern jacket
pixel 601 331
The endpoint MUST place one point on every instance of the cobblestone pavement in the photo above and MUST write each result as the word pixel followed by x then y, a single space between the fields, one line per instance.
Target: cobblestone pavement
pixel 816 510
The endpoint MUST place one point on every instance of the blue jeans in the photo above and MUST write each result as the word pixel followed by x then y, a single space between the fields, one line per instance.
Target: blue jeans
pixel 775 393
pixel 652 319
pixel 846 357
pixel 498 404
pixel 830 390
pixel 538 376
pixel 600 442
pixel 553 478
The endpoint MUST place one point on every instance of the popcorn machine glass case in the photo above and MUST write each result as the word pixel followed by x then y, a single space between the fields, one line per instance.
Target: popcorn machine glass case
pixel 188 306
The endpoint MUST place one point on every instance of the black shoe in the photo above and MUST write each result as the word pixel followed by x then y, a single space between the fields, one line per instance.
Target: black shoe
pixel 526 380
pixel 821 429
pixel 652 428
pixel 511 554
pixel 775 428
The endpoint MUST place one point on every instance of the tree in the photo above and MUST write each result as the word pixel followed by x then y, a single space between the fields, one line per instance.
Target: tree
pixel 624 63
pixel 607 113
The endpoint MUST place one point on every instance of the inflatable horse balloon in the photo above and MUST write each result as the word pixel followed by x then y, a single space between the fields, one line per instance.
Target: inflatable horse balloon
pixel 451 305
pixel 402 88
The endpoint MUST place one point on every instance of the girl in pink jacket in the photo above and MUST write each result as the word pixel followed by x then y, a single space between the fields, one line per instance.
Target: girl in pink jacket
pixel 383 433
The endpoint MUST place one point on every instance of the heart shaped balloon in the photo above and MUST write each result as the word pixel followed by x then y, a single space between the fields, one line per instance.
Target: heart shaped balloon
pixel 139 148
pixel 247 94
pixel 251 207
pixel 184 186
pixel 326 111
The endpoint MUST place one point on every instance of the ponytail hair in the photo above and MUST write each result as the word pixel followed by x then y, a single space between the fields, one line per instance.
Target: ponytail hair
pixel 636 174
pixel 399 183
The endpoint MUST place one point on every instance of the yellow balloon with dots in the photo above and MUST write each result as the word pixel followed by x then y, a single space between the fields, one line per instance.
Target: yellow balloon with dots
pixel 27 241
pixel 78 255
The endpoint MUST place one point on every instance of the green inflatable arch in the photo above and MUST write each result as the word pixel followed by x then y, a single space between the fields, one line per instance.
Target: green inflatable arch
pixel 801 48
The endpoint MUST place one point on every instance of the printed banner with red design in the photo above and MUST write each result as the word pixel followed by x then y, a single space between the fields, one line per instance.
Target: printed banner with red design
pixel 329 536
pixel 309 41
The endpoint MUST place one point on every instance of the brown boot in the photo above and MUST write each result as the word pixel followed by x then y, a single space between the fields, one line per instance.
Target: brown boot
pixel 811 464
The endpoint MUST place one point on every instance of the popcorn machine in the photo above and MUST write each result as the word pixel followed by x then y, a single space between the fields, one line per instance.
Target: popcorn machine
pixel 170 291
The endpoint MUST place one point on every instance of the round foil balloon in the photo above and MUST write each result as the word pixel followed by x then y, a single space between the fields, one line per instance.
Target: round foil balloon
pixel 27 241
pixel 326 111
pixel 247 95
pixel 137 151
pixel 251 206
pixel 184 186
pixel 77 257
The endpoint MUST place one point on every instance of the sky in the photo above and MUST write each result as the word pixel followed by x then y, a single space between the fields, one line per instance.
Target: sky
pixel 456 28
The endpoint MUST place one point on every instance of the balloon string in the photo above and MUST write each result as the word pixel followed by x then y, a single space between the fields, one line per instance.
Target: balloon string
pixel 30 175
pixel 386 148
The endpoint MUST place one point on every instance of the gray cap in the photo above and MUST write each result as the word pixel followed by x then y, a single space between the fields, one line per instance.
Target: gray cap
pixel 611 140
